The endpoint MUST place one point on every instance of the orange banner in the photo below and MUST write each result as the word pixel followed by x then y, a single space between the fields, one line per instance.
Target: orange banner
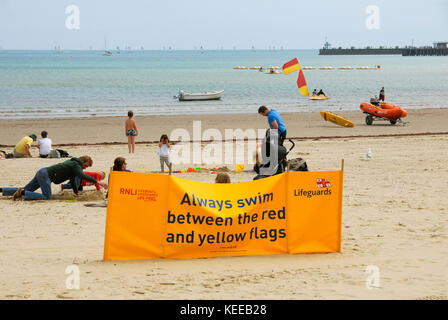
pixel 161 216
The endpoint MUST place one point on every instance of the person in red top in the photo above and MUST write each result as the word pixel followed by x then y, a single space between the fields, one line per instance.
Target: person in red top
pixel 84 183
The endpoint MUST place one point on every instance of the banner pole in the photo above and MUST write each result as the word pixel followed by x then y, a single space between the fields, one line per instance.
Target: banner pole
pixel 342 165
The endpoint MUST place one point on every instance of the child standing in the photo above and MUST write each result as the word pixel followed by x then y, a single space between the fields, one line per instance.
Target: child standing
pixel 131 131
pixel 164 151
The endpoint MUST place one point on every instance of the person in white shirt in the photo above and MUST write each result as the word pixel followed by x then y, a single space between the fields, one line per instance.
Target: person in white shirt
pixel 44 145
pixel 164 151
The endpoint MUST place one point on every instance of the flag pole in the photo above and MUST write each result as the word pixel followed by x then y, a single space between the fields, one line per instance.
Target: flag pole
pixel 309 115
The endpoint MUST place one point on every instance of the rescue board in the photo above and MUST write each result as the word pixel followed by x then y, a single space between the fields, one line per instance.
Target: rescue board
pixel 328 116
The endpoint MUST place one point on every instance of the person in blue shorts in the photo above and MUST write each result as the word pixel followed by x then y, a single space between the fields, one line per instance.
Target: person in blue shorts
pixel 275 122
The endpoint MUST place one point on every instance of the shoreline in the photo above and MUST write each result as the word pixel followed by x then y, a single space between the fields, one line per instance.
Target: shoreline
pixel 203 114
pixel 300 126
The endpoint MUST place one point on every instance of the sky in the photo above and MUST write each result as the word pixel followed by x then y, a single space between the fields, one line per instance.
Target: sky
pixel 226 24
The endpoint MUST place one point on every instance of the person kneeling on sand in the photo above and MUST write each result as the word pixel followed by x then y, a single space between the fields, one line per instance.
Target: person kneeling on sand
pixel 58 173
pixel 84 183
pixel 22 148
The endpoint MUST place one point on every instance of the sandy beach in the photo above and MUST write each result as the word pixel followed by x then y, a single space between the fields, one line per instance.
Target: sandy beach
pixel 394 215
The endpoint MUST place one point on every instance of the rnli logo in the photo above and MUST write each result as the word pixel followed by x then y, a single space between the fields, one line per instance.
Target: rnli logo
pixel 323 183
pixel 140 194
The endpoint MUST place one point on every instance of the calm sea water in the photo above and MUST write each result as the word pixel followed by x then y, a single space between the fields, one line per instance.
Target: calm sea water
pixel 46 84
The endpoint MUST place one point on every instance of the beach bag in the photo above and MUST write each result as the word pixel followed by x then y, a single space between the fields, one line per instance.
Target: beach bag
pixel 54 154
pixel 7 155
pixel 298 164
pixel 63 153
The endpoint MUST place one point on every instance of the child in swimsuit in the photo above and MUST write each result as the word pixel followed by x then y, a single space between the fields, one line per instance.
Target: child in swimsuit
pixel 131 131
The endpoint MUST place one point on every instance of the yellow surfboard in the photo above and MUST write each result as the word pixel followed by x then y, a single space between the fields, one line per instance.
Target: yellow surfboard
pixel 328 116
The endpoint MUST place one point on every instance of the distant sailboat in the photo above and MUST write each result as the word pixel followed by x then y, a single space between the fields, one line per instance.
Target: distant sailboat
pixel 106 52
pixel 118 50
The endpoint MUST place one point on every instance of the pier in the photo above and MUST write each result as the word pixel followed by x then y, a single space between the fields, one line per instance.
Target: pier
pixel 438 49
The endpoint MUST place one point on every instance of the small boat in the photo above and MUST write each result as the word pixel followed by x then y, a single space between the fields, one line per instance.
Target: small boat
pixel 272 71
pixel 319 97
pixel 328 116
pixel 107 53
pixel 383 111
pixel 326 68
pixel 212 95
pixel 239 68
pixel 256 68
pixel 308 68
pixel 345 68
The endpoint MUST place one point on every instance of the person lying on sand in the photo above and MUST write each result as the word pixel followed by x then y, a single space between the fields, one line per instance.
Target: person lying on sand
pixel 58 173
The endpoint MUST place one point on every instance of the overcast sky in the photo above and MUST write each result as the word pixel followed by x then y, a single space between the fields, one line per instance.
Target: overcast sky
pixel 291 24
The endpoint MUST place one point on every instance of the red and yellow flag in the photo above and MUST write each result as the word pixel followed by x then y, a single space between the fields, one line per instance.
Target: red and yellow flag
pixel 301 83
pixel 291 66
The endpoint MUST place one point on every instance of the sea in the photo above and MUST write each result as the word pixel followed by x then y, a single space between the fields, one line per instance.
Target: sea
pixel 69 84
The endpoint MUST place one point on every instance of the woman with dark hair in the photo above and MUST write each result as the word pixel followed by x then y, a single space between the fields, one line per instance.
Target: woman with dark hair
pixel 120 164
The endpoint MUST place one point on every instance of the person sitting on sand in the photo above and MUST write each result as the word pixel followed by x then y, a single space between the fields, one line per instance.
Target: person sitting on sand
pixel 119 165
pixel 22 149
pixel 314 92
pixel 44 145
pixel 131 131
pixel 58 173
pixel 99 176
pixel 321 93
pixel 222 177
